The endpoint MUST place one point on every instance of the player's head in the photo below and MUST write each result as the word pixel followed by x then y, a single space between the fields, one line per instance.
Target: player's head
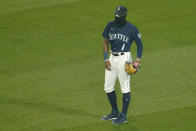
pixel 120 15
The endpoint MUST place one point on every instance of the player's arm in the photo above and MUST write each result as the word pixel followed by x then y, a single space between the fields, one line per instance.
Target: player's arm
pixel 139 44
pixel 105 48
pixel 105 53
pixel 138 41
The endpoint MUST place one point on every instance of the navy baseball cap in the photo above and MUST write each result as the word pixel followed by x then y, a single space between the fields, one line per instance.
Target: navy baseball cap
pixel 121 11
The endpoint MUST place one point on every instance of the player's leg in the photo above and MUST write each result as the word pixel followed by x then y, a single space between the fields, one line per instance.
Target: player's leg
pixel 123 77
pixel 110 79
pixel 124 80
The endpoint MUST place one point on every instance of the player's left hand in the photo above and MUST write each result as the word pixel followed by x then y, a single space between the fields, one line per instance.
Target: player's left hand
pixel 132 68
pixel 136 63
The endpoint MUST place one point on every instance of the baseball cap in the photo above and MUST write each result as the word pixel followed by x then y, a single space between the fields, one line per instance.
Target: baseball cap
pixel 121 11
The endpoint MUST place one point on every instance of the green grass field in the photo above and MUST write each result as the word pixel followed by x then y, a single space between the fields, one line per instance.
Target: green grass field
pixel 52 70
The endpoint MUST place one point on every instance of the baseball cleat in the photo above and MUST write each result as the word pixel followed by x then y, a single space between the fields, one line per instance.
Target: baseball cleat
pixel 111 116
pixel 122 118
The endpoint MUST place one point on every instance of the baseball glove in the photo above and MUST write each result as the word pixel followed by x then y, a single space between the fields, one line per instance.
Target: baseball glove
pixel 131 68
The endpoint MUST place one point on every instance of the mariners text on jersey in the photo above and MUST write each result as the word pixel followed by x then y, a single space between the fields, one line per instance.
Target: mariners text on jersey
pixel 119 37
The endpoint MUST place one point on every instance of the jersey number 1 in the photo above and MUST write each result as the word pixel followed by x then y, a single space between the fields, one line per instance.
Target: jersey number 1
pixel 123 47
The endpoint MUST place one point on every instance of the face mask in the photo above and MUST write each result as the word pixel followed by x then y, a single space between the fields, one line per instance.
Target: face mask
pixel 120 20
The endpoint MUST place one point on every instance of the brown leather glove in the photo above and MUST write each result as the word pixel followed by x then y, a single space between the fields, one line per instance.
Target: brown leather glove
pixel 132 68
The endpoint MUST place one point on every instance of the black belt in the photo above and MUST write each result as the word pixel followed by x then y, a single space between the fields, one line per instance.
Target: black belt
pixel 117 54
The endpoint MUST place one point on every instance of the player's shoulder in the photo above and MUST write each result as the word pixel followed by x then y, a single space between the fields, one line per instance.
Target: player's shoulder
pixel 111 23
pixel 131 25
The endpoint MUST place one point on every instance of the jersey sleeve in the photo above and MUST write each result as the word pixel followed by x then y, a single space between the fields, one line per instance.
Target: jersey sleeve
pixel 138 41
pixel 105 33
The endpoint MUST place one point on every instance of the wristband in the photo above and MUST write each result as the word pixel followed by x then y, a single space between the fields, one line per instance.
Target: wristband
pixel 105 56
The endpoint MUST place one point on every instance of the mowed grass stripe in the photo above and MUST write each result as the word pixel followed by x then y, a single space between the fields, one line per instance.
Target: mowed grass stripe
pixel 9 6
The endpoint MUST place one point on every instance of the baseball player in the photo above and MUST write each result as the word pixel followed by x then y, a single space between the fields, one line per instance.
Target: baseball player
pixel 120 34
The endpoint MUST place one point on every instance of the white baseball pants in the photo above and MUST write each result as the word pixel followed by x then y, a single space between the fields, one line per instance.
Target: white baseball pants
pixel 118 70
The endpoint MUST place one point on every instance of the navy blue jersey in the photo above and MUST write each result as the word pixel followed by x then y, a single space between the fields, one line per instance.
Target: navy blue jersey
pixel 121 38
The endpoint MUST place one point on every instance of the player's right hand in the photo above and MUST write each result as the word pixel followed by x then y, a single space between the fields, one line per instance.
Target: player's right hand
pixel 108 65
